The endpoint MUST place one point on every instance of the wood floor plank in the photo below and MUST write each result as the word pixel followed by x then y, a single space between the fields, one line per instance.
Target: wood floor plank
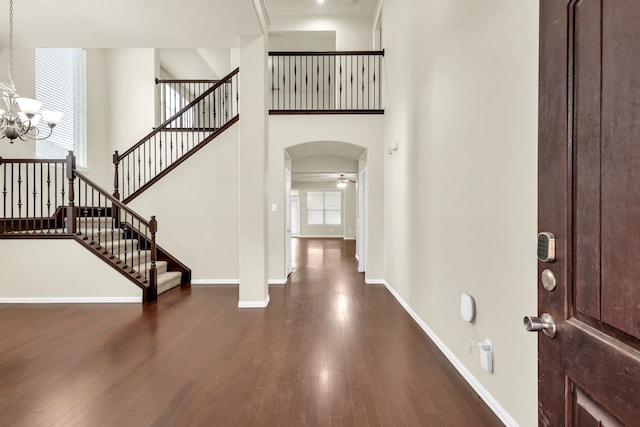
pixel 328 351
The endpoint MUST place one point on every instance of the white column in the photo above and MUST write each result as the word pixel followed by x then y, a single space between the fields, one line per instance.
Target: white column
pixel 253 256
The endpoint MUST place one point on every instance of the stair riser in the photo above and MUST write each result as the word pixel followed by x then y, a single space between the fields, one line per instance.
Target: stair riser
pixel 168 281
pixel 120 245
pixel 102 234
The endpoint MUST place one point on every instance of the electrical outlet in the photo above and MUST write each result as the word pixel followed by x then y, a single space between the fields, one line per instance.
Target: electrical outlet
pixel 486 355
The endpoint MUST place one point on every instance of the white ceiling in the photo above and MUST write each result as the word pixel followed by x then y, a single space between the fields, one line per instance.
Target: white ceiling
pixel 153 23
pixel 128 23
pixel 327 7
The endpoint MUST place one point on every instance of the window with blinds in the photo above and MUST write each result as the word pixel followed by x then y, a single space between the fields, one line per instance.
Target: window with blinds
pixel 324 207
pixel 61 85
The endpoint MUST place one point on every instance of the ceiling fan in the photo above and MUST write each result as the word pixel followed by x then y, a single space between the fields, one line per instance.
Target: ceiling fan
pixel 342 181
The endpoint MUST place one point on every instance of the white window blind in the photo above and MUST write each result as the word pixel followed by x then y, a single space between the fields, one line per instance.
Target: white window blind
pixel 324 207
pixel 61 85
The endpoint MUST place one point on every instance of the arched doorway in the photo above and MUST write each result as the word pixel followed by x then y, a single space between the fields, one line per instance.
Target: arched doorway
pixel 312 173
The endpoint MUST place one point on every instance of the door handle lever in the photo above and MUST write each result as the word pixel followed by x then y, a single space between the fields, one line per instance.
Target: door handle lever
pixel 543 323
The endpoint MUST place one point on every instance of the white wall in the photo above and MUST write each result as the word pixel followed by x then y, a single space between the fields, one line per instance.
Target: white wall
pixel 365 131
pixel 132 106
pixel 99 126
pixel 460 193
pixel 352 32
pixel 253 176
pixel 59 270
pixel 324 164
pixel 196 206
pixel 320 41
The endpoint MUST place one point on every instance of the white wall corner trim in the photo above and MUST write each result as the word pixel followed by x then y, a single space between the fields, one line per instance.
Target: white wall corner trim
pixel 278 281
pixel 215 281
pixel 67 300
pixel 466 374
pixel 376 282
pixel 263 16
pixel 254 304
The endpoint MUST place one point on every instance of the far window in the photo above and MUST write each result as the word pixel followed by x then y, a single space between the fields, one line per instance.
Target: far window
pixel 324 207
pixel 61 85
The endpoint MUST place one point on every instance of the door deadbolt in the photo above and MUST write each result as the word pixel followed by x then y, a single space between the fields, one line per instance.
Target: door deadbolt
pixel 543 323
pixel 546 247
pixel 548 279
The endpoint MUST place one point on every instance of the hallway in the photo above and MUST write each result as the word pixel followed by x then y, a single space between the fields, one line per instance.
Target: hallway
pixel 328 350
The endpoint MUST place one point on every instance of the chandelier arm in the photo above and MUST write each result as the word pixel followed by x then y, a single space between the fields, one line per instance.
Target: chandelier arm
pixel 44 137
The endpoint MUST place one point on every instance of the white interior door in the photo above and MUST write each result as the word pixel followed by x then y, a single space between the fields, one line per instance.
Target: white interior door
pixel 362 220
pixel 287 208
pixel 295 216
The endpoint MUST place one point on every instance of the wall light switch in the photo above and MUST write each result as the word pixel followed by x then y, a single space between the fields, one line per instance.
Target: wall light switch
pixel 274 207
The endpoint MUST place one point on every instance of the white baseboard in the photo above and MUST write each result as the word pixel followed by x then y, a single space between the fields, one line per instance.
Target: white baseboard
pixel 375 281
pixel 466 374
pixel 254 304
pixel 349 238
pixel 321 237
pixel 278 281
pixel 215 281
pixel 69 300
pixel 357 257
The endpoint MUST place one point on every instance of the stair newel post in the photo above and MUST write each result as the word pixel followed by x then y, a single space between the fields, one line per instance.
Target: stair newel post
pixel 71 208
pixel 116 189
pixel 152 294
pixel 116 182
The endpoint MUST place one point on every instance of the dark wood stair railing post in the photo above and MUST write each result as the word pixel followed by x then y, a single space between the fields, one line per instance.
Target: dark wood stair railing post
pixel 71 210
pixel 115 211
pixel 152 291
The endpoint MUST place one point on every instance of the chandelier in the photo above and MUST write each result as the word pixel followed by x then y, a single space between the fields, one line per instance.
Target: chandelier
pixel 22 116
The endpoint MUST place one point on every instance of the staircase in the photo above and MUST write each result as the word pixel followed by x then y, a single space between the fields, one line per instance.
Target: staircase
pixel 124 248
pixel 45 199
pixel 178 138
pixel 52 199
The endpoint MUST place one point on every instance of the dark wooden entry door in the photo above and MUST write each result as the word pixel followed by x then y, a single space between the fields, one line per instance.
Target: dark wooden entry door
pixel 589 197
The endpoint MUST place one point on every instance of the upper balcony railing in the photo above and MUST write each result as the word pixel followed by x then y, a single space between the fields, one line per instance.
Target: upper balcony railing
pixel 326 82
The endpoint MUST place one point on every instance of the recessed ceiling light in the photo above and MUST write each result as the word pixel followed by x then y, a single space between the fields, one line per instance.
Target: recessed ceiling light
pixel 320 1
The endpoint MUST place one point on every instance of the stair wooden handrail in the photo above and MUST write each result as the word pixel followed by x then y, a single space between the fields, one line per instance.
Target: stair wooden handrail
pixel 122 218
pixel 52 199
pixel 173 141
pixel 160 81
pixel 179 113
pixel 116 203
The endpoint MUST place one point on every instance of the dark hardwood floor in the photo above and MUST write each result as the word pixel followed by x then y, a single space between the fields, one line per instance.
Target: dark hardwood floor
pixel 329 350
